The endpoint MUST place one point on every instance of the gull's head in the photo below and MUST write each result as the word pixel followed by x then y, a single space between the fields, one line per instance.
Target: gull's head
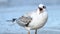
pixel 41 7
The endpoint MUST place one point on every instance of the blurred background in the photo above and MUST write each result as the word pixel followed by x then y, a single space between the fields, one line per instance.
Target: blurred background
pixel 15 8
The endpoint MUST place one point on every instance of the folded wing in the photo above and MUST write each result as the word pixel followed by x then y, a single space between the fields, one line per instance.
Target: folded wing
pixel 24 21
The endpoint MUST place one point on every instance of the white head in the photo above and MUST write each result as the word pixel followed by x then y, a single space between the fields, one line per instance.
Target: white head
pixel 41 7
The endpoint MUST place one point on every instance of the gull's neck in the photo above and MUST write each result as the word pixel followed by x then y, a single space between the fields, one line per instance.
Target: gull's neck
pixel 38 11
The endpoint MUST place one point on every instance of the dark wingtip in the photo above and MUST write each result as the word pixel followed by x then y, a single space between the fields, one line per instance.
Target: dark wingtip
pixel 13 19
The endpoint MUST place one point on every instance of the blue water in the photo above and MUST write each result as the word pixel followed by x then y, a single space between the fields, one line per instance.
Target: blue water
pixel 52 26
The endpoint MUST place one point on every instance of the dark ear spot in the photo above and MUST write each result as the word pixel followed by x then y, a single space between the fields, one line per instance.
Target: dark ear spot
pixel 44 6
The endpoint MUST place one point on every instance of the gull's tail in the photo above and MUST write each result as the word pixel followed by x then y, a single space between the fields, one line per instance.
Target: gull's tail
pixel 13 20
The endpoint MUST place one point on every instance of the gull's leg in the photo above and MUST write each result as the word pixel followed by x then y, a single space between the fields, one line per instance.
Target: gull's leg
pixel 36 31
pixel 28 29
pixel 28 32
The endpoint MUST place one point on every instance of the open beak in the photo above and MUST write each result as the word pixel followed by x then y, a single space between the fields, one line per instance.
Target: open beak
pixel 40 8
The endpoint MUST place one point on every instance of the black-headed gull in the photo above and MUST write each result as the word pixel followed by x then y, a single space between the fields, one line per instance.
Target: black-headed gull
pixel 33 20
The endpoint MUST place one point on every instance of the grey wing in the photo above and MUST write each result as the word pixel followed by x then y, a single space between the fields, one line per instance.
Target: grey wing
pixel 24 21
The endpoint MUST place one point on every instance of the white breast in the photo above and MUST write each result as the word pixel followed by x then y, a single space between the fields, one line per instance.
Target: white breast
pixel 38 20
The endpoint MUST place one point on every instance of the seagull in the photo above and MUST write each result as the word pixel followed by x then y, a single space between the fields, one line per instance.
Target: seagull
pixel 34 20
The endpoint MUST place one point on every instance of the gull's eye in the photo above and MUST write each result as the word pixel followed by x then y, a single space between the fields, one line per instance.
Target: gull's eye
pixel 44 7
